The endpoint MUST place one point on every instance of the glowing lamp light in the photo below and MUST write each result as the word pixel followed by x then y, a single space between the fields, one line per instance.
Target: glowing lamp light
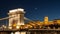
pixel 17 27
pixel 10 27
pixel 14 25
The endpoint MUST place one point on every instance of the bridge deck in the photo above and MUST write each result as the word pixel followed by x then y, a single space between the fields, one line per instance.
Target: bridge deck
pixel 31 30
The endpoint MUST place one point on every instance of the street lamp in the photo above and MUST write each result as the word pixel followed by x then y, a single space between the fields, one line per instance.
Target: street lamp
pixel 17 27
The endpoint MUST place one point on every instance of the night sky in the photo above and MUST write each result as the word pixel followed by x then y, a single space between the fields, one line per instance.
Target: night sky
pixel 35 9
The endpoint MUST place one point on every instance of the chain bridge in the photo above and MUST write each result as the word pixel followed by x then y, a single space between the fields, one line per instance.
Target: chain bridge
pixel 15 24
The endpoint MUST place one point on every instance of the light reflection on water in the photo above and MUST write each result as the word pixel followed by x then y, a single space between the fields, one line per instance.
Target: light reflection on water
pixel 18 32
pixel 12 33
pixel 23 32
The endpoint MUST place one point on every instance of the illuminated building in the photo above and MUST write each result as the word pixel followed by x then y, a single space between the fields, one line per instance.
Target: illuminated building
pixel 57 21
pixel 46 20
pixel 16 21
pixel 51 22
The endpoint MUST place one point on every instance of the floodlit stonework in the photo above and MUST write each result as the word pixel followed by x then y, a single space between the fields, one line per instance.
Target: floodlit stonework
pixel 17 18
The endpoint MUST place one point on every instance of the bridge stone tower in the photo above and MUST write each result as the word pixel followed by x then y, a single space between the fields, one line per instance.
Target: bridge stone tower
pixel 16 18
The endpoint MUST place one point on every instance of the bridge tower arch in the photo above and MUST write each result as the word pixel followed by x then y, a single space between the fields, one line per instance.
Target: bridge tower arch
pixel 17 18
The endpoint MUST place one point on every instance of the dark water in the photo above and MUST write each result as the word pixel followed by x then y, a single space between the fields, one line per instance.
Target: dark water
pixel 25 32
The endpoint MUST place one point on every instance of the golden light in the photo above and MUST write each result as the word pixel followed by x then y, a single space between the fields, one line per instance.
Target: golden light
pixel 14 24
pixel 22 32
pixel 26 27
pixel 38 23
pixel 30 26
pixel 10 27
pixel 17 27
pixel 18 23
pixel 17 32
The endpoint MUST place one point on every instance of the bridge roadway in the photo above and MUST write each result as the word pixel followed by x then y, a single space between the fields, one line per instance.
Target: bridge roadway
pixel 8 30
